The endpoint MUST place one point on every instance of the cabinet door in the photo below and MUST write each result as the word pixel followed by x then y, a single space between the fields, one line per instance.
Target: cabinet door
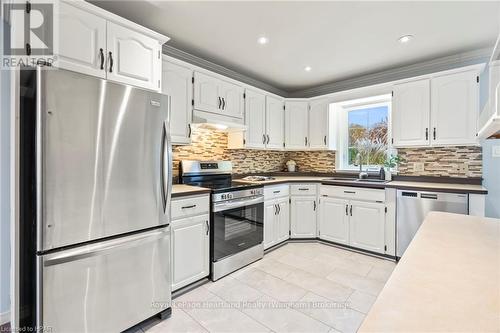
pixel 367 226
pixel 232 100
pixel 82 36
pixel 303 217
pixel 270 227
pixel 410 114
pixel 177 84
pixel 190 250
pixel 296 124
pixel 454 110
pixel 132 57
pixel 318 125
pixel 275 122
pixel 283 225
pixel 255 119
pixel 334 220
pixel 206 93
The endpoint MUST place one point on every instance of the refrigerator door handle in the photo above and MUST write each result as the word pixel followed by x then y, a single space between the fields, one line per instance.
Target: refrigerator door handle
pixel 169 162
pixel 105 247
pixel 164 189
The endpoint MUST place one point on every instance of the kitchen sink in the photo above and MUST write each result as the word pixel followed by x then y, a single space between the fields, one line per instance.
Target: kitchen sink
pixel 368 180
pixel 372 180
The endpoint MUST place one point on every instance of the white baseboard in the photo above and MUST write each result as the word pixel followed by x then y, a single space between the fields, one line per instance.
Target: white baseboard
pixel 4 317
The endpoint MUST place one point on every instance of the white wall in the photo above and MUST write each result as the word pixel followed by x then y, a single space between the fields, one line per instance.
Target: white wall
pixel 491 175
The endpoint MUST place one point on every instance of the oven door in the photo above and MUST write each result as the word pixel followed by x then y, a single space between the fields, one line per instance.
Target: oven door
pixel 236 226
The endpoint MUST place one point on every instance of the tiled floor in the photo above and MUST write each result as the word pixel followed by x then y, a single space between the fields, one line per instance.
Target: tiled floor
pixel 300 287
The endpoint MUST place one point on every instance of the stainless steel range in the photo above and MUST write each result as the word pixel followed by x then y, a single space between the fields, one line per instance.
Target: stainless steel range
pixel 236 217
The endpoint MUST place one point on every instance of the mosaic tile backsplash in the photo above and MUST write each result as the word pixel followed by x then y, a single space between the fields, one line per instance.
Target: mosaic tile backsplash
pixel 442 161
pixel 210 144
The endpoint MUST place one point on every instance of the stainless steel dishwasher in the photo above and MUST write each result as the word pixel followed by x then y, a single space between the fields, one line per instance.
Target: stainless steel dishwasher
pixel 413 206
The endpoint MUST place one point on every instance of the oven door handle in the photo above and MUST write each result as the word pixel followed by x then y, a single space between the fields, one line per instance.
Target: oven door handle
pixel 220 206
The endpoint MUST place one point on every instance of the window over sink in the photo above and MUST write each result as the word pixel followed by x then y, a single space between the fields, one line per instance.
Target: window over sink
pixel 363 132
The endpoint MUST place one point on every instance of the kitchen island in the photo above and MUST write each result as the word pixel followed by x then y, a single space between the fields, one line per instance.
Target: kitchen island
pixel 447 281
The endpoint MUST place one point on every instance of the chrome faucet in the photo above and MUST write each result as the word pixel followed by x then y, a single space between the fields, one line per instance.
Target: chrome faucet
pixel 357 161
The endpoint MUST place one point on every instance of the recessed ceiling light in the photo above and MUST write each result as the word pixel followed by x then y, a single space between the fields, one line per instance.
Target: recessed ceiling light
pixel 307 68
pixel 405 39
pixel 263 40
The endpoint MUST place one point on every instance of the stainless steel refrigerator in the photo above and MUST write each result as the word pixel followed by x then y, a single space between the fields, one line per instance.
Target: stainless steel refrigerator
pixel 95 187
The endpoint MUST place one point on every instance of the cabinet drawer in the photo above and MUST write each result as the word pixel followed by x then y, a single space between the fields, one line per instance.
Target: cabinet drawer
pixel 276 191
pixel 356 193
pixel 303 189
pixel 190 206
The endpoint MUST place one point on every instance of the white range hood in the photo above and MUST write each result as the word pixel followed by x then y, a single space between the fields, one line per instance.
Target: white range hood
pixel 489 119
pixel 219 122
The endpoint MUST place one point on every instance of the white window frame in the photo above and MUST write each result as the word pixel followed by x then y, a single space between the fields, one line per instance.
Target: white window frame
pixel 342 109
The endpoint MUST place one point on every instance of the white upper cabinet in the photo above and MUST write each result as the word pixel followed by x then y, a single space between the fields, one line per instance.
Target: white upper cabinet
pixel 212 94
pixel 82 41
pixel 367 226
pixel 132 58
pixel 296 124
pixel 454 108
pixel 232 99
pixel 206 93
pixel 410 114
pixel 177 84
pixel 275 122
pixel 95 42
pixel 318 124
pixel 255 119
pixel 334 220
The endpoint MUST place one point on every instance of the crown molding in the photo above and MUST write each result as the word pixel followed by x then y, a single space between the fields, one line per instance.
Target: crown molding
pixel 208 65
pixel 403 72
pixel 393 74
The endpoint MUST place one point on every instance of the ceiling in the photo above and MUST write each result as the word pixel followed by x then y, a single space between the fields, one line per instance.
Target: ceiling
pixel 338 40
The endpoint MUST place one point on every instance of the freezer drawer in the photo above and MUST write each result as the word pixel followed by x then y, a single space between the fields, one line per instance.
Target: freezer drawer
pixel 108 286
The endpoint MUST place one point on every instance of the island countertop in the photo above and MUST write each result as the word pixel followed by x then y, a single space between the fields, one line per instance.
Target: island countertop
pixel 448 280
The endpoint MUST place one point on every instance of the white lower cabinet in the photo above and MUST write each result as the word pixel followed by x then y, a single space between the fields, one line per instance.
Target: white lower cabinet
pixel 357 219
pixel 367 226
pixel 276 221
pixel 276 214
pixel 334 220
pixel 190 250
pixel 190 242
pixel 303 217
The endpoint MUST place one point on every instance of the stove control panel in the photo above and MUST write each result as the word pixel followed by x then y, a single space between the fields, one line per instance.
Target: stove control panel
pixel 248 193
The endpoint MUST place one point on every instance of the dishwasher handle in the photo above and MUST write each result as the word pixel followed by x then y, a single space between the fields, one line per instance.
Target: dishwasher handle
pixel 432 196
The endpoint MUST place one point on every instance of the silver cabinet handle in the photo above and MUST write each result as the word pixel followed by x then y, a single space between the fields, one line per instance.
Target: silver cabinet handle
pixel 314 208
pixel 263 138
pixel 220 102
pixel 110 62
pixel 279 209
pixel 350 192
pixel 267 138
pixel 223 103
pixel 351 210
pixel 208 227
pixel 434 133
pixel 346 210
pixel 187 207
pixel 324 139
pixel 275 209
pixel 305 139
pixel 276 192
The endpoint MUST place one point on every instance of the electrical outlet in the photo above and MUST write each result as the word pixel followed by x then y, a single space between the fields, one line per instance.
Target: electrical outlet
pixel 418 167
pixel 495 151
pixel 463 168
